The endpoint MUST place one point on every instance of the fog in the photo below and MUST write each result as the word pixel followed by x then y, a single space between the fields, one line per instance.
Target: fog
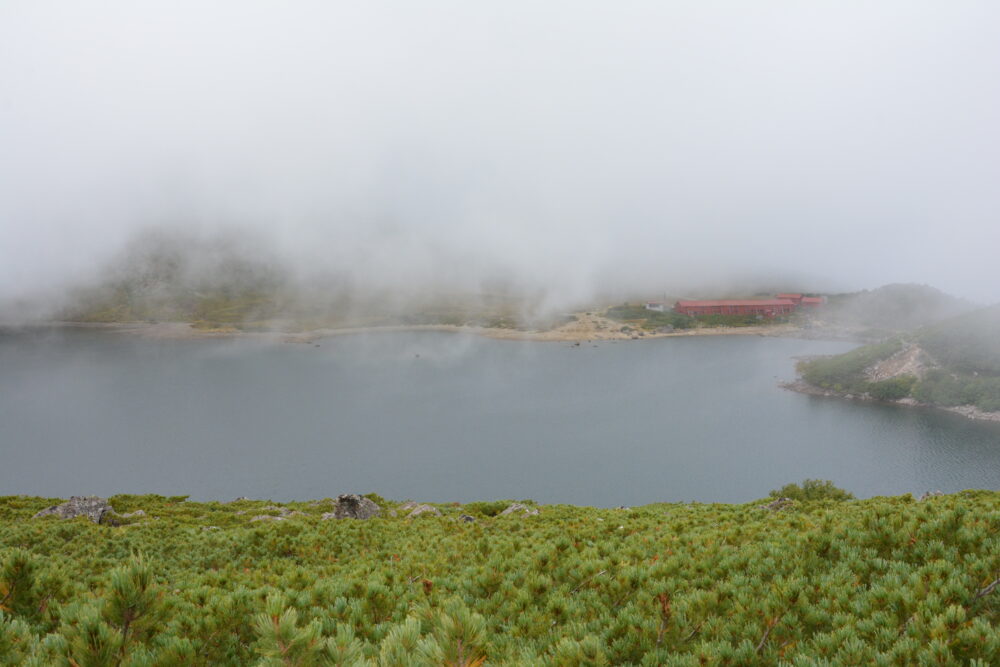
pixel 573 149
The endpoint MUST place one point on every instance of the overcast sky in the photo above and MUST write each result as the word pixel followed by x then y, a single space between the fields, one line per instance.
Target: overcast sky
pixel 580 146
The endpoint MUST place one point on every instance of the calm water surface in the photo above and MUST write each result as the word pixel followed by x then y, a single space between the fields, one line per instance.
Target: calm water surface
pixel 445 417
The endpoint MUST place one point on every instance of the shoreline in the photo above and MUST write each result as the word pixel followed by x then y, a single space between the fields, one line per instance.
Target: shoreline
pixel 968 411
pixel 587 328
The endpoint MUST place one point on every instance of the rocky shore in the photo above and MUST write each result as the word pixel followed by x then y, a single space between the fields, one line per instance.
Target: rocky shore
pixel 968 411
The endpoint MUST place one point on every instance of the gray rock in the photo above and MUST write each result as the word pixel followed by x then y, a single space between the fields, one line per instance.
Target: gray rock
pixel 423 509
pixel 467 519
pixel 92 507
pixel 113 518
pixel 283 512
pixel 520 508
pixel 929 494
pixel 353 506
pixel 777 504
pixel 267 517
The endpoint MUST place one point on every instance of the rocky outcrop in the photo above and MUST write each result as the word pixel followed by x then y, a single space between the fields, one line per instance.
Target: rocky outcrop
pixel 113 518
pixel 465 518
pixel 282 513
pixel 353 506
pixel 777 504
pixel 519 508
pixel 423 509
pixel 92 507
pixel 911 360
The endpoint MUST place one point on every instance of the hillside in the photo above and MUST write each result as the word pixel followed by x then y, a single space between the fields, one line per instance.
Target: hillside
pixel 953 364
pixel 164 276
pixel 893 308
pixel 880 581
pixel 234 282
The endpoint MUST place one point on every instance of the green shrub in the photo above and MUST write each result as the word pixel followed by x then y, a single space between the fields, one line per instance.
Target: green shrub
pixel 812 489
pixel 649 319
pixel 892 389
pixel 738 320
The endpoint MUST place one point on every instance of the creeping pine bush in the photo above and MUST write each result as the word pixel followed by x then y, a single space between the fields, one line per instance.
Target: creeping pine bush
pixel 885 581
pixel 812 489
pixel 892 389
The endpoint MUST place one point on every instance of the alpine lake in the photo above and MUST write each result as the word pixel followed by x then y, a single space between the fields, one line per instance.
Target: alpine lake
pixel 447 417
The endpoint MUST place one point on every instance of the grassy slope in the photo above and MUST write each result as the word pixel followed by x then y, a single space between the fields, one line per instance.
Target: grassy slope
pixel 893 308
pixel 966 347
pixel 846 372
pixel 966 344
pixel 880 581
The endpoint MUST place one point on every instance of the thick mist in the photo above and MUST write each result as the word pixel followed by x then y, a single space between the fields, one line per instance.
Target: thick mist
pixel 564 150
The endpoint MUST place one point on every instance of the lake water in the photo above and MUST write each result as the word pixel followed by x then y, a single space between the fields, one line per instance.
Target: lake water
pixel 446 417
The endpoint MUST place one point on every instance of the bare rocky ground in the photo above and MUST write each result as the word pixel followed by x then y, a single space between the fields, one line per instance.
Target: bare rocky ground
pixel 912 360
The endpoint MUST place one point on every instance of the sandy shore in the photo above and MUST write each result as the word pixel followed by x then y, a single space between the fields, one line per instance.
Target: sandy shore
pixel 586 328
pixel 968 411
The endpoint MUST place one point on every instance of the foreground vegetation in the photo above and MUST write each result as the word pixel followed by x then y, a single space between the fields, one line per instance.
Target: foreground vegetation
pixel 817 580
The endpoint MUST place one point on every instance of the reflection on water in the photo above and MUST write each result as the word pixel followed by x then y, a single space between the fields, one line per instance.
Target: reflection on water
pixel 446 417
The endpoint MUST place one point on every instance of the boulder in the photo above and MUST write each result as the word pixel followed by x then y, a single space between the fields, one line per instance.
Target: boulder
pixel 92 507
pixel 516 508
pixel 467 519
pixel 267 517
pixel 353 506
pixel 423 509
pixel 929 494
pixel 777 504
pixel 113 518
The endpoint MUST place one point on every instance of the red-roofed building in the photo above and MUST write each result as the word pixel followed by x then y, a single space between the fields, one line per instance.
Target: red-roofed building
pixel 761 307
pixel 812 301
pixel 794 298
